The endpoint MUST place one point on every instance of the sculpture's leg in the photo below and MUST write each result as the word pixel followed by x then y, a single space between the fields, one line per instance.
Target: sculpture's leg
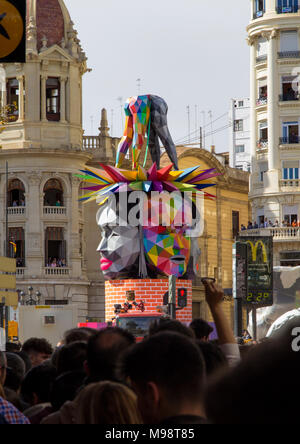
pixel 159 110
pixel 154 146
pixel 164 134
pixel 127 139
pixel 140 110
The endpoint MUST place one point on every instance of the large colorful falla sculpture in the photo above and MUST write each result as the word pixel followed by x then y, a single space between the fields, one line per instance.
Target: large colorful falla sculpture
pixel 147 218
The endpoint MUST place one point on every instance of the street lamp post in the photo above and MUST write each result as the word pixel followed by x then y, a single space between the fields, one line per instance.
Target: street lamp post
pixel 31 300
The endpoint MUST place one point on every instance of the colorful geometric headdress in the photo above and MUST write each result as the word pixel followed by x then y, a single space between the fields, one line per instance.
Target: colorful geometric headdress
pixel 114 180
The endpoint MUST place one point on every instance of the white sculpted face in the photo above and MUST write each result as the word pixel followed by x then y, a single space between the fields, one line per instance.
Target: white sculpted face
pixel 120 245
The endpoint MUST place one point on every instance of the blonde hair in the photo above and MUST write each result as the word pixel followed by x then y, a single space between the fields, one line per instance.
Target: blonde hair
pixel 107 403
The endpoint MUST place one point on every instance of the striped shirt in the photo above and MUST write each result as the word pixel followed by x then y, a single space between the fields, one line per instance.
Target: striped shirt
pixel 11 414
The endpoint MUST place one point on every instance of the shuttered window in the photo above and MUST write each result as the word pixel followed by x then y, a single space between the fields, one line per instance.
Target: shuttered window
pixel 289 41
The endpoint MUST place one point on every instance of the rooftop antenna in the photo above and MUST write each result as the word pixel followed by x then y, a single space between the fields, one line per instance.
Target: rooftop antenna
pixel 204 125
pixel 211 125
pixel 139 86
pixel 196 119
pixel 189 122
pixel 120 99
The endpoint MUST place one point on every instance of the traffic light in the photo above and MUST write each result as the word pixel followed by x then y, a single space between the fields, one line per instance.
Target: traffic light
pixel 182 297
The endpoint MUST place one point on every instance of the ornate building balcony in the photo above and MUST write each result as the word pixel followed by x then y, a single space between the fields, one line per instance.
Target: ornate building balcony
pixel 290 140
pixel 55 211
pixel 289 55
pixel 279 234
pixel 57 271
pixel 262 144
pixel 16 211
pixel 291 97
pixel 262 58
pixel 287 9
pixel 91 142
pixel 20 272
pixel 289 183
pixel 262 101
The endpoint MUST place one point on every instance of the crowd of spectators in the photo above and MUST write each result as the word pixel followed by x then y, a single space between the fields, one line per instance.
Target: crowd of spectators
pixel 176 375
pixel 18 203
pixel 270 224
pixel 56 263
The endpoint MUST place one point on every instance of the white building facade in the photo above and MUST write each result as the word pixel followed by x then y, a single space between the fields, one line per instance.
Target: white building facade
pixel 274 39
pixel 239 134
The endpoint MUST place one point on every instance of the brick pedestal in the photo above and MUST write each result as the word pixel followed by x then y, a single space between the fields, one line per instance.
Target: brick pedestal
pixel 151 291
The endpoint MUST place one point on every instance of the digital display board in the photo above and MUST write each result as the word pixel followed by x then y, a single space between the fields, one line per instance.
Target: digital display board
pixel 259 271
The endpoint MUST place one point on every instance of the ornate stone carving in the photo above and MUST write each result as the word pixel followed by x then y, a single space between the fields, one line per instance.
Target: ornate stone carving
pixel 44 44
pixel 34 178
pixel 251 40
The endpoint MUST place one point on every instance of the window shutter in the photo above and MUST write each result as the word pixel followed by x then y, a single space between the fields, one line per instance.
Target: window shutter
pixel 296 5
pixel 289 41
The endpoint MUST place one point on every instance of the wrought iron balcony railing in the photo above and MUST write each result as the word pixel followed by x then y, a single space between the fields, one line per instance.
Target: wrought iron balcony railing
pixel 289 55
pixel 261 58
pixel 262 143
pixel 289 140
pixel 261 101
pixel 287 9
pixel 289 97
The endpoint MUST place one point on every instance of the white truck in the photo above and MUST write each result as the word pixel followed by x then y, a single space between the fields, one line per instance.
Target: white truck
pixel 46 321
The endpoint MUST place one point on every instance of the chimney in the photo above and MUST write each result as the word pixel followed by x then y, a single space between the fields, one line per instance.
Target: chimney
pixel 213 149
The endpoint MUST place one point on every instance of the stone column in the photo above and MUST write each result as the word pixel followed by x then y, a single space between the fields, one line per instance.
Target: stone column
pixel 21 99
pixel 271 6
pixel 34 243
pixel 73 216
pixel 43 98
pixel 252 9
pixel 271 182
pixel 272 103
pixel 63 99
pixel 253 114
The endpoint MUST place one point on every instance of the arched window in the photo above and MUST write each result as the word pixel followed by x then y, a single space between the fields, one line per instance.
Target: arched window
pixel 16 194
pixel 53 194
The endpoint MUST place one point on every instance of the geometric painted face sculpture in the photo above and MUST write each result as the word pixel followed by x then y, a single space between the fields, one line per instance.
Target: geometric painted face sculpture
pixel 167 250
pixel 153 246
pixel 168 245
pixel 119 248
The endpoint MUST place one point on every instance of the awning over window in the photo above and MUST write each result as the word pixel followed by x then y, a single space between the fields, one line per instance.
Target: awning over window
pixel 54 234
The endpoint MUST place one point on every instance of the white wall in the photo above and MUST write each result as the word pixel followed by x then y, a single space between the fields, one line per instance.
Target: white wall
pixel 31 322
pixel 239 137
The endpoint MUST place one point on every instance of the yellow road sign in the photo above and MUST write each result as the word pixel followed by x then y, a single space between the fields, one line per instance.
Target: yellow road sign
pixel 13 329
pixel 8 281
pixel 8 265
pixel 11 28
pixel 10 298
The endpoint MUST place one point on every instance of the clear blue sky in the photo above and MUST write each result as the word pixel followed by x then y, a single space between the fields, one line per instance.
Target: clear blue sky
pixel 191 53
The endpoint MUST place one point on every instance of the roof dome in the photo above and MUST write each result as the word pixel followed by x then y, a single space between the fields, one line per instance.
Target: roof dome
pixel 50 17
